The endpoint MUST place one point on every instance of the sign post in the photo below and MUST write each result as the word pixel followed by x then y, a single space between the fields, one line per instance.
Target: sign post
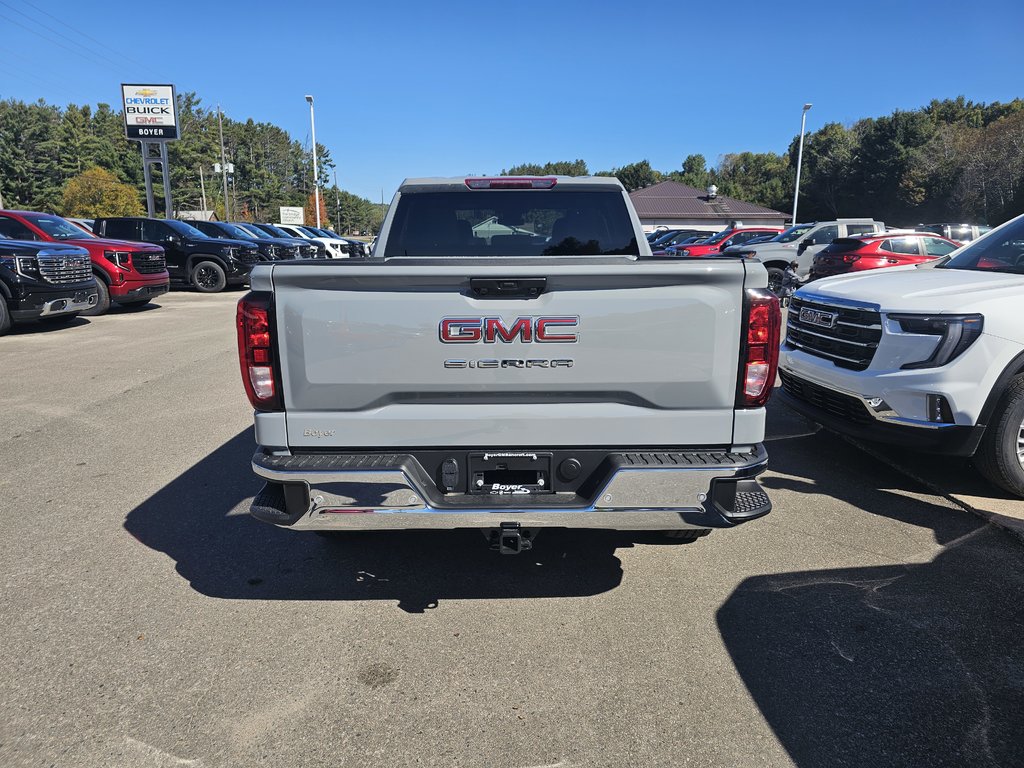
pixel 150 118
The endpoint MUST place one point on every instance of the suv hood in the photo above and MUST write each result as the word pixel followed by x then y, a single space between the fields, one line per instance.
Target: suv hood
pixel 916 289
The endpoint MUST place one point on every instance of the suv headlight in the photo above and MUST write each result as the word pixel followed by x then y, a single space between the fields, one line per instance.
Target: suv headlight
pixel 956 333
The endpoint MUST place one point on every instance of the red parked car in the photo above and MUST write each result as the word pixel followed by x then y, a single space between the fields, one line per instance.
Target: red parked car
pixel 127 273
pixel 883 249
pixel 719 242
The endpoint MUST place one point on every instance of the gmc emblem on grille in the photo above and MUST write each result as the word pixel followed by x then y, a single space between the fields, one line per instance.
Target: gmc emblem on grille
pixel 552 329
pixel 818 317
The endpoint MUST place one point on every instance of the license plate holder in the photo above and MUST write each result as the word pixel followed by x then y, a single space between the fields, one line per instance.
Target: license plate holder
pixel 509 473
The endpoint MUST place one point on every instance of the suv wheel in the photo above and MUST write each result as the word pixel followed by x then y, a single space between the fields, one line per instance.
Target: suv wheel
pixel 1001 454
pixel 102 305
pixel 208 277
pixel 775 278
pixel 5 316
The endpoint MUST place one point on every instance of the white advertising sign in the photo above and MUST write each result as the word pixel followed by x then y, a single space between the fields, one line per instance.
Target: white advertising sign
pixel 149 112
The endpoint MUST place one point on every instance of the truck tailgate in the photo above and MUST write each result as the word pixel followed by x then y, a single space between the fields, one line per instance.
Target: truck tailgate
pixel 364 361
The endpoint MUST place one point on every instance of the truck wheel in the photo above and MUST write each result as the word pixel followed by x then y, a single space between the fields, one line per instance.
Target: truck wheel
pixel 1000 457
pixel 102 305
pixel 5 317
pixel 208 277
pixel 775 278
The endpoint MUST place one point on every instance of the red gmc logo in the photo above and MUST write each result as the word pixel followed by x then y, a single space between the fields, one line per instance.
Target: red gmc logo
pixel 542 330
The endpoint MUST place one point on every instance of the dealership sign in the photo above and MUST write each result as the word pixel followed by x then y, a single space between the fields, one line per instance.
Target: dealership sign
pixel 149 112
pixel 293 216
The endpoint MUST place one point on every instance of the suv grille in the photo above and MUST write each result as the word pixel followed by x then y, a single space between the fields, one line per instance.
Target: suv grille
pixel 248 257
pixel 850 342
pixel 147 263
pixel 844 406
pixel 63 270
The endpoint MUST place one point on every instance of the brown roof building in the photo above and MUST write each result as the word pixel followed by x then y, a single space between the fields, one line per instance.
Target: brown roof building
pixel 671 204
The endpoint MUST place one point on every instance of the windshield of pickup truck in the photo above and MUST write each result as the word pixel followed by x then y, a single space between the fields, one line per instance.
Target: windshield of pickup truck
pixel 793 233
pixel 999 252
pixel 58 228
pixel 717 238
pixel 186 230
pixel 512 223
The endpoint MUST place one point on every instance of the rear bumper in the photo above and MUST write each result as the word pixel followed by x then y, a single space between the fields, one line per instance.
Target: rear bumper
pixel 631 491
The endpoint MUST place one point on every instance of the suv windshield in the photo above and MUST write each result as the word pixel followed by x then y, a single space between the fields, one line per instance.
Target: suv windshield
pixel 793 233
pixel 512 223
pixel 236 232
pixel 58 228
pixel 254 231
pixel 1001 252
pixel 186 230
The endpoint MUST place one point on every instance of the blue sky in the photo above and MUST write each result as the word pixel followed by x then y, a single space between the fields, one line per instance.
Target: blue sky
pixel 449 88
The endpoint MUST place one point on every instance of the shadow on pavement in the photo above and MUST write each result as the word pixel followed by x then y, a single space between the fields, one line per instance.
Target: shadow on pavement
pixel 819 462
pixel 906 665
pixel 53 325
pixel 902 665
pixel 223 552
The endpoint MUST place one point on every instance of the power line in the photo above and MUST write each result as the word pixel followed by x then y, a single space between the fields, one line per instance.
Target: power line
pixel 78 31
pixel 52 41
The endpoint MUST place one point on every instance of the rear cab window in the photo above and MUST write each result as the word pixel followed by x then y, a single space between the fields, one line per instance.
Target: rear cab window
pixel 525 223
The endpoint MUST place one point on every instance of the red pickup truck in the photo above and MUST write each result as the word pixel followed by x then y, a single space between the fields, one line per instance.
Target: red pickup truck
pixel 737 235
pixel 127 273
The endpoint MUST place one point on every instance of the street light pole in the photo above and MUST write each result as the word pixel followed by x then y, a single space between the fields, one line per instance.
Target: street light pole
pixel 223 162
pixel 316 183
pixel 800 159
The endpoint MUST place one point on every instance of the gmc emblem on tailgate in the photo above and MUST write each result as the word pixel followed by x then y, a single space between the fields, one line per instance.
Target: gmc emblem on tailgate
pixel 552 329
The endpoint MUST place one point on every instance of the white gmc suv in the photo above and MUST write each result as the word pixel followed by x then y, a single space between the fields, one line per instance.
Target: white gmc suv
pixel 929 357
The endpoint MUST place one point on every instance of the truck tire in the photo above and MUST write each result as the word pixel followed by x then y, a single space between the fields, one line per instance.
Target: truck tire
pixel 102 305
pixel 1000 456
pixel 775 278
pixel 5 316
pixel 208 277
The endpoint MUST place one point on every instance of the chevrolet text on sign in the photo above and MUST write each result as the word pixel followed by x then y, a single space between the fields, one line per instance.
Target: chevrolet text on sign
pixel 149 112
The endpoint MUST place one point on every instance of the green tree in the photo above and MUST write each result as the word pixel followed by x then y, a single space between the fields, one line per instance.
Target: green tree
pixel 637 175
pixel 559 168
pixel 97 192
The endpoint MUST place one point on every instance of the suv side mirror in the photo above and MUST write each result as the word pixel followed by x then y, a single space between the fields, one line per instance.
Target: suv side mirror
pixel 804 245
pixel 172 239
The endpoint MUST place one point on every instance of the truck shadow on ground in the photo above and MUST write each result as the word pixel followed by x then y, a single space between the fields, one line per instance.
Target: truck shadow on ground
pixel 201 521
pixel 901 665
pixel 904 665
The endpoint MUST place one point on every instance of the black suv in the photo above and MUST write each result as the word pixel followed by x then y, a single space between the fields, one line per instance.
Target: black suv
pixel 271 249
pixel 305 248
pixel 40 281
pixel 193 258
pixel 270 229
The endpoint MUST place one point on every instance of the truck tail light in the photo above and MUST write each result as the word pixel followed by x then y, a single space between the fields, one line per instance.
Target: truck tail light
pixel 759 348
pixel 255 323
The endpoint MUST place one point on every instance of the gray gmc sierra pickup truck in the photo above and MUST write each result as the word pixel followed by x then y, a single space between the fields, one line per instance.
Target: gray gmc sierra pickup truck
pixel 511 358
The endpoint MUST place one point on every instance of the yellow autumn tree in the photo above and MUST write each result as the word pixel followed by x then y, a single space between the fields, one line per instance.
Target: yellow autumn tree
pixel 309 212
pixel 97 192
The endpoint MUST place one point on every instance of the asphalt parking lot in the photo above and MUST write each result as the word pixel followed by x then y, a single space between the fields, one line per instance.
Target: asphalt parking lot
pixel 147 620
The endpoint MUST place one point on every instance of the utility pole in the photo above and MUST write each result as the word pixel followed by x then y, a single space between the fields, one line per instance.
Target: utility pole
pixel 223 162
pixel 202 185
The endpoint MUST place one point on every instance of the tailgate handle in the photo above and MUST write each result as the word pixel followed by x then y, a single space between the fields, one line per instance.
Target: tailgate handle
pixel 508 287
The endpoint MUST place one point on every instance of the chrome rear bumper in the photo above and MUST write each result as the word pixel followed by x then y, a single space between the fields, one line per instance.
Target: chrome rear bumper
pixel 644 491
